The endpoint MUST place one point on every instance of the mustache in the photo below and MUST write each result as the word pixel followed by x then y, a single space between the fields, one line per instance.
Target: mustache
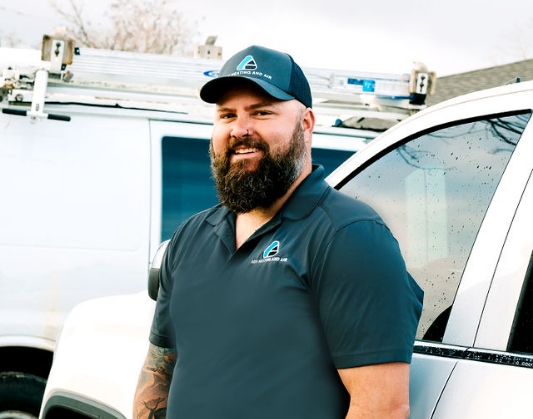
pixel 248 143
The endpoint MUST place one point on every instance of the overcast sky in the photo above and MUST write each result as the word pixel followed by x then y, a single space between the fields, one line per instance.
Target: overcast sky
pixel 385 36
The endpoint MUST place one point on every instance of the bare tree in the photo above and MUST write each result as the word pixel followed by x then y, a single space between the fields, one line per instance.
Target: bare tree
pixel 518 45
pixel 9 40
pixel 154 26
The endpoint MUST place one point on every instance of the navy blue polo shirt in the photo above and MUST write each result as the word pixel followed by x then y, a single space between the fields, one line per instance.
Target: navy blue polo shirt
pixel 261 330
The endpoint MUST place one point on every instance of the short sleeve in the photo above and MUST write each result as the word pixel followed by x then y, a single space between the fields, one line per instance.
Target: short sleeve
pixel 368 303
pixel 161 332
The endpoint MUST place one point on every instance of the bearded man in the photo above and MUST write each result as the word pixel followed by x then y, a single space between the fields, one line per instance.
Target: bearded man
pixel 289 300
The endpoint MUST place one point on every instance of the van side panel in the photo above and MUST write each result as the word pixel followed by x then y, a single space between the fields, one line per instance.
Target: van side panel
pixel 74 216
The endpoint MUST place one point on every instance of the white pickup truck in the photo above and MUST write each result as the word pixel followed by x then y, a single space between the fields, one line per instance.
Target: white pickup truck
pixel 454 184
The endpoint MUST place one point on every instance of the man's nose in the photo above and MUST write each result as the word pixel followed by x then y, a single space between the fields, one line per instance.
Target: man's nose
pixel 242 128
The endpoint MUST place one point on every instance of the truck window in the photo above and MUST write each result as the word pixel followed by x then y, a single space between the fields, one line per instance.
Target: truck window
pixel 433 192
pixel 187 184
pixel 522 336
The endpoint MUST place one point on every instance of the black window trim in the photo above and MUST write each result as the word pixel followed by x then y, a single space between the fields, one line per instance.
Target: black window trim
pixel 474 354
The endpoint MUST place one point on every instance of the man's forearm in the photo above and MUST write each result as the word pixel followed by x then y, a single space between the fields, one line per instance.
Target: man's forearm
pixel 151 396
pixel 398 412
pixel 377 391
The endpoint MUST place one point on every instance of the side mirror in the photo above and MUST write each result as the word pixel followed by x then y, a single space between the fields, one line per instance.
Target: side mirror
pixel 153 273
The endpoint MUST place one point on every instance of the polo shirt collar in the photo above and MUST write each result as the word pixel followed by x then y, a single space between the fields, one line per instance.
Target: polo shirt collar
pixel 306 197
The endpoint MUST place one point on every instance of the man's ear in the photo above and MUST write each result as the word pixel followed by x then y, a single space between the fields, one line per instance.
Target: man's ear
pixel 308 121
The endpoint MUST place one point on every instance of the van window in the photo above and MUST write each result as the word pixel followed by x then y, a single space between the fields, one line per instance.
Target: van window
pixel 329 158
pixel 187 184
pixel 433 192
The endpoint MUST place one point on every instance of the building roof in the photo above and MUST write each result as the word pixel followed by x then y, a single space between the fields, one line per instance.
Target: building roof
pixel 454 85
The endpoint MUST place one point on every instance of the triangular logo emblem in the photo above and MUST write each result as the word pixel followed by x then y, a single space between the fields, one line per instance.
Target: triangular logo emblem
pixel 271 250
pixel 247 64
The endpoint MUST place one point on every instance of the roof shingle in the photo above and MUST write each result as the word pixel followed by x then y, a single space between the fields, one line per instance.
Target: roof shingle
pixel 454 85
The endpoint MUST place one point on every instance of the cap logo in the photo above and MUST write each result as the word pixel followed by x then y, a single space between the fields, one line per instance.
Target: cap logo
pixel 247 64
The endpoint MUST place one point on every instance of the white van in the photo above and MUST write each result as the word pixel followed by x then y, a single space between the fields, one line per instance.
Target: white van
pixel 94 174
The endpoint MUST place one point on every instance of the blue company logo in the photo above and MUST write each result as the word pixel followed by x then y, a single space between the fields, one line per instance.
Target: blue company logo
pixel 211 73
pixel 247 64
pixel 271 250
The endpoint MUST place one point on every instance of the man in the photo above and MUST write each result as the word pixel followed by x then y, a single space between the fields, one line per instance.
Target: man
pixel 289 300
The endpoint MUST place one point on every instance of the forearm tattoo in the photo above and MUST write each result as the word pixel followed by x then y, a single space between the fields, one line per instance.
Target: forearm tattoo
pixel 161 361
pixel 154 382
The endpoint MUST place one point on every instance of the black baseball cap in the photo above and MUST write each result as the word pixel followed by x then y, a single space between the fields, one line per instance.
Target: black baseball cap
pixel 275 72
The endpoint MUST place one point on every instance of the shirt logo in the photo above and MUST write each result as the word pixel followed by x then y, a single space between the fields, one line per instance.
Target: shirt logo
pixel 270 255
pixel 271 250
pixel 247 64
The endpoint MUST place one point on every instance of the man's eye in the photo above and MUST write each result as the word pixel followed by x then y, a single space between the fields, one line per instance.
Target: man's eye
pixel 227 116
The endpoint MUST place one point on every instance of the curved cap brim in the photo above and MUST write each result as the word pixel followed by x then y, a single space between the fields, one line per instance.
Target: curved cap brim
pixel 213 90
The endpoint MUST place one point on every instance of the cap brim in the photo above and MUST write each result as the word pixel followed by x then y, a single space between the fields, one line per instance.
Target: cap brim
pixel 213 90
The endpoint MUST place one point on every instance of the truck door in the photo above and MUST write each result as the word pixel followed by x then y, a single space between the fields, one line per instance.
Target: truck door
pixel 434 190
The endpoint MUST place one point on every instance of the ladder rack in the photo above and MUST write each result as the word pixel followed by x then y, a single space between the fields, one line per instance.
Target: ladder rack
pixel 156 80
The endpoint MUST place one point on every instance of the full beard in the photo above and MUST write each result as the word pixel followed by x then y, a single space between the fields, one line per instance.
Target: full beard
pixel 243 190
